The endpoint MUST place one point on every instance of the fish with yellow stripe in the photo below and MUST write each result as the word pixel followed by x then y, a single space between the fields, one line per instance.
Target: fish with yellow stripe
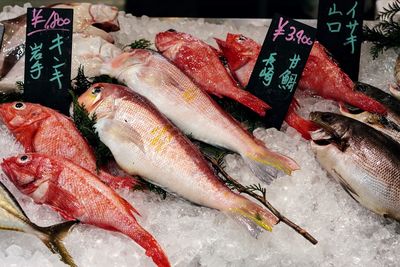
pixel 192 110
pixel 144 142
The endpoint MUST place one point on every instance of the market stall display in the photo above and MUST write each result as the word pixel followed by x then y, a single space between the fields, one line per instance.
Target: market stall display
pixel 190 235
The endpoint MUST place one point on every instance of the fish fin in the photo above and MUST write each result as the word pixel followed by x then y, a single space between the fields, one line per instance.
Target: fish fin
pixel 151 246
pixel 53 240
pixel 268 165
pixel 251 211
pixel 124 131
pixel 118 182
pixel 303 126
pixel 346 186
pixel 252 102
pixel 64 202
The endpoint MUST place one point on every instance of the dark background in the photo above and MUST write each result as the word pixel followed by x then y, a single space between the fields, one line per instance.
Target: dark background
pixel 305 9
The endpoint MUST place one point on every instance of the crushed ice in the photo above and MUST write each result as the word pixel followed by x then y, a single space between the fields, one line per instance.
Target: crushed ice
pixel 348 234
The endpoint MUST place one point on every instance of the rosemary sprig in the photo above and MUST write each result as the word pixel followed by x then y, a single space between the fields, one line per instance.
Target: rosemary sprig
pixel 253 191
pixel 140 44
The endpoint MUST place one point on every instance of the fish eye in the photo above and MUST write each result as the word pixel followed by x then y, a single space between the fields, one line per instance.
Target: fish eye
pixel 23 159
pixel 171 30
pixel 242 38
pixel 326 117
pixel 97 90
pixel 19 106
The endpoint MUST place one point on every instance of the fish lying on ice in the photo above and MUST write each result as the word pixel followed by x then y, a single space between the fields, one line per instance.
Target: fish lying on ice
pixel 377 121
pixel 44 130
pixel 78 194
pixel 201 63
pixel 13 218
pixel 90 20
pixel 321 74
pixel 363 160
pixel 192 110
pixel 389 102
pixel 241 54
pixel 144 142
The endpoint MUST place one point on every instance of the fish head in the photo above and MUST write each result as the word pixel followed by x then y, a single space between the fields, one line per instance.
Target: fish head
pixel 238 50
pixel 18 115
pixel 360 115
pixel 100 97
pixel 171 41
pixel 335 130
pixel 30 173
pixel 104 17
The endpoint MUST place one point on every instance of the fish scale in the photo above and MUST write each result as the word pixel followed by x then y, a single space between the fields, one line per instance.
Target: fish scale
pixel 144 142
pixel 367 167
pixel 193 111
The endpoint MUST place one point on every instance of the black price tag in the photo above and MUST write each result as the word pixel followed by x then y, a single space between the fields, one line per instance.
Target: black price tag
pixel 48 57
pixel 279 66
pixel 339 29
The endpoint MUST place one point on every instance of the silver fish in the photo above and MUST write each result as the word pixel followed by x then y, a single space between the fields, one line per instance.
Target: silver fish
pixel 363 160
pixel 13 218
pixel 377 121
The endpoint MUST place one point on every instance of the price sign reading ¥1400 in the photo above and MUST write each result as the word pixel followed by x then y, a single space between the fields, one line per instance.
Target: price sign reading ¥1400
pixel 339 29
pixel 279 66
pixel 48 57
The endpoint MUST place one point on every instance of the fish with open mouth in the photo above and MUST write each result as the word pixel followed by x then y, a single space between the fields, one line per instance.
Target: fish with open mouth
pixel 78 194
pixel 145 142
pixel 377 121
pixel 13 218
pixel 391 104
pixel 363 160
pixel 151 75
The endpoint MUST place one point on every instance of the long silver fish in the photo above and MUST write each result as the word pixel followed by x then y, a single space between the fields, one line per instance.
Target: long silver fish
pixel 151 75
pixel 363 160
pixel 144 142
pixel 377 121
pixel 390 102
pixel 13 218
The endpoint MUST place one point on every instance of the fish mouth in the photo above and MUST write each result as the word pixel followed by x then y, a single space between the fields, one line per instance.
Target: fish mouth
pixel 349 109
pixel 326 134
pixel 6 167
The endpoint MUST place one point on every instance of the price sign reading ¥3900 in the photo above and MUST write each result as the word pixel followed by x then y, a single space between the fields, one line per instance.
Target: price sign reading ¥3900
pixel 279 66
pixel 339 29
pixel 48 57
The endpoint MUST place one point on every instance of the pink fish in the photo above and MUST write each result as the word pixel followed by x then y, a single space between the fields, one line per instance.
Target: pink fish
pixel 78 194
pixel 200 62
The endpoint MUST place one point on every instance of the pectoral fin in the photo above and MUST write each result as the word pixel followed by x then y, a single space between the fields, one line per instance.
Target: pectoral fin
pixel 346 186
pixel 123 131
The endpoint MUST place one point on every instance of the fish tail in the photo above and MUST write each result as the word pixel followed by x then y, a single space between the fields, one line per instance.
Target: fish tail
pixel 53 240
pixel 251 211
pixel 266 164
pixel 252 102
pixel 147 241
pixel 303 126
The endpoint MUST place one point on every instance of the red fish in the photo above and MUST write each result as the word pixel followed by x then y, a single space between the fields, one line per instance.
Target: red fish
pixel 321 74
pixel 242 53
pixel 78 194
pixel 44 130
pixel 199 61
